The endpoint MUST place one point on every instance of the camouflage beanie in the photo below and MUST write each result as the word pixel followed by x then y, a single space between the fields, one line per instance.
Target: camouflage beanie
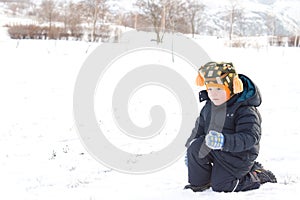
pixel 220 75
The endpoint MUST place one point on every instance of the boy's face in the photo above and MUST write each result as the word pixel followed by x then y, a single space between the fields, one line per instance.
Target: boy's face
pixel 217 95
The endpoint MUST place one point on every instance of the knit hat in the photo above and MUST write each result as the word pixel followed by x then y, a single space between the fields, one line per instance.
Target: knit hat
pixel 221 75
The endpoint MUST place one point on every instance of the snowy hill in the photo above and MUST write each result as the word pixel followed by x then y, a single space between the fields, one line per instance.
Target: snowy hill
pixel 41 156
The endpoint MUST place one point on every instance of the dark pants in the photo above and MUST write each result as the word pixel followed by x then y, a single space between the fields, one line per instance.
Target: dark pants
pixel 204 169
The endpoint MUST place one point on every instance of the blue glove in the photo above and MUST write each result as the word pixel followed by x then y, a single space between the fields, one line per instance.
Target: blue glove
pixel 214 140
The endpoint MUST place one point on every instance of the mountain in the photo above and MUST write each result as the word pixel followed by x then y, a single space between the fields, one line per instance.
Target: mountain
pixel 252 17
pixel 255 17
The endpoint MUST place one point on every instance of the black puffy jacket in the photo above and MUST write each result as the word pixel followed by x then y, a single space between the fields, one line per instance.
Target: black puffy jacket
pixel 239 121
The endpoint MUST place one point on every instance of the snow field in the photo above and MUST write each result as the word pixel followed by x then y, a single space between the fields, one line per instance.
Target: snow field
pixel 41 156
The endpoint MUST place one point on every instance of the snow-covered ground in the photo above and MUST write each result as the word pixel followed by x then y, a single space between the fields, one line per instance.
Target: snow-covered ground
pixel 41 156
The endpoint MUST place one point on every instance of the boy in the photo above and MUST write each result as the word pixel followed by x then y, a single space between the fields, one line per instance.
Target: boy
pixel 225 141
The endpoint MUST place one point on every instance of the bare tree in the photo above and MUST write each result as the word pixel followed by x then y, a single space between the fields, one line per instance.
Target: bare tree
pixel 193 13
pixel 163 14
pixel 241 23
pixel 48 13
pixel 154 10
pixel 70 15
pixel 95 12
pixel 63 13
pixel 175 16
pixel 74 18
pixel 234 10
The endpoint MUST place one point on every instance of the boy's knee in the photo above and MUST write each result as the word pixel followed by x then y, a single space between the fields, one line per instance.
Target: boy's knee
pixel 197 151
pixel 194 148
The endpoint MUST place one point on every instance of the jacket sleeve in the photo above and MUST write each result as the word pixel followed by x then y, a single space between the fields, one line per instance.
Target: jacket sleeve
pixel 198 130
pixel 247 131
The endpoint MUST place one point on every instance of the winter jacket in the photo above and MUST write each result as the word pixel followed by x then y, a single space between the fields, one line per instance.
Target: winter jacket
pixel 240 122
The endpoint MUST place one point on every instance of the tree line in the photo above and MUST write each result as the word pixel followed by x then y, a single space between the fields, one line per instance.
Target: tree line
pixel 96 19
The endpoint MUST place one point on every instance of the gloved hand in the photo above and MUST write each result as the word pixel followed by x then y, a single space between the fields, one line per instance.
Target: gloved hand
pixel 186 160
pixel 214 140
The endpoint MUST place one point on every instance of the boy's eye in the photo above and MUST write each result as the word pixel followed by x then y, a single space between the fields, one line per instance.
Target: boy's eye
pixel 209 89
pixel 219 89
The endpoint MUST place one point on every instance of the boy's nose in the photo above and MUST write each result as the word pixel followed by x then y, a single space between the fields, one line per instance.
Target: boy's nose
pixel 214 92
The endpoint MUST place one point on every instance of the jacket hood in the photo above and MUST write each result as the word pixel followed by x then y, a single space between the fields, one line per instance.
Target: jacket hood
pixel 251 95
